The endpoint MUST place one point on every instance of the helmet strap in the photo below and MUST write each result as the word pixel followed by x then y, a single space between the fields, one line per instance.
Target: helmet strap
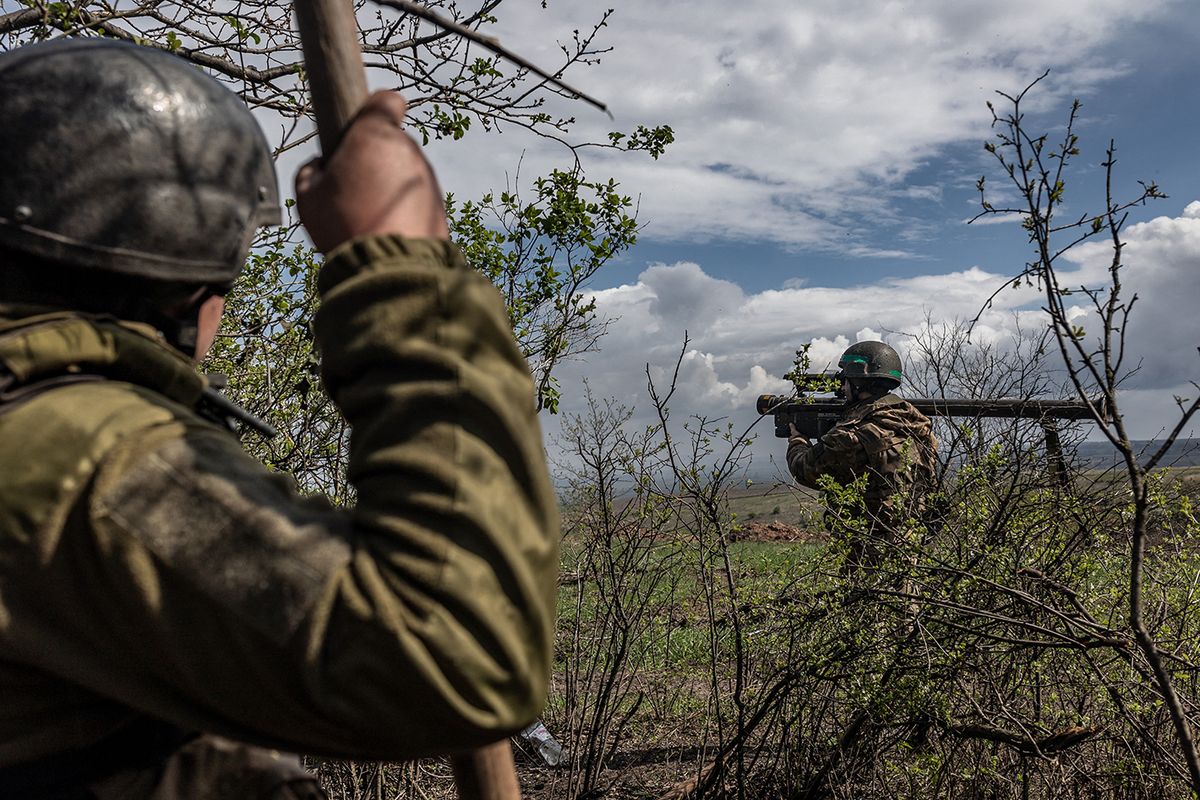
pixel 857 393
pixel 181 327
pixel 179 331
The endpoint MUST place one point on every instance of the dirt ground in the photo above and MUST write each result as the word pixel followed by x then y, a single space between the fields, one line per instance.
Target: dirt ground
pixel 633 773
pixel 776 531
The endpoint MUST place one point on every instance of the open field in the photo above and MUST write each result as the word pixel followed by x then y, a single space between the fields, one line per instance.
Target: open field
pixel 788 505
pixel 671 633
pixel 691 636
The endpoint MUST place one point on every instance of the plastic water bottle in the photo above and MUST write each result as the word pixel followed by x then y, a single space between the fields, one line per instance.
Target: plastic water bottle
pixel 545 744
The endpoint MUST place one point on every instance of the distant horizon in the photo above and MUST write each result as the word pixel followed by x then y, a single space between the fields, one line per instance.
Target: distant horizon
pixel 824 169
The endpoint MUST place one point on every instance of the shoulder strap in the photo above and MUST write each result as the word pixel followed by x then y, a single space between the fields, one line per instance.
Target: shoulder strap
pixel 213 406
pixel 12 397
pixel 218 408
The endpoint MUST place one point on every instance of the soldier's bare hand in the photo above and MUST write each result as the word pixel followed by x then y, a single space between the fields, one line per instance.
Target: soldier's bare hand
pixel 376 182
pixel 794 433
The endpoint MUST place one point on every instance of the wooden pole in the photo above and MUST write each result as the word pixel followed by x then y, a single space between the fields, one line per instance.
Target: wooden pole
pixel 338 83
pixel 487 773
pixel 333 64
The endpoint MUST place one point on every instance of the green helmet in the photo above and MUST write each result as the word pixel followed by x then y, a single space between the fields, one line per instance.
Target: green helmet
pixel 874 361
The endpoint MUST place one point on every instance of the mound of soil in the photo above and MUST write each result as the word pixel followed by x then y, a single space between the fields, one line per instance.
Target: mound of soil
pixel 775 531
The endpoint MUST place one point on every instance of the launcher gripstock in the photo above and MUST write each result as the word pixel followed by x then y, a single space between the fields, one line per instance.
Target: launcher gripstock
pixel 813 416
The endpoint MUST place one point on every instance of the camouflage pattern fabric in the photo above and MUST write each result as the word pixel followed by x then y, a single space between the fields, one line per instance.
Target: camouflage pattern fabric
pixel 892 444
pixel 150 568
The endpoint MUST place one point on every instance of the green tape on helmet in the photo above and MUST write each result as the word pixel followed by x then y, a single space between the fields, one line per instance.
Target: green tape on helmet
pixel 876 360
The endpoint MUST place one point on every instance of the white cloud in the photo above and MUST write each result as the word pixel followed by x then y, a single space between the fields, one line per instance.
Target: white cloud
pixel 740 344
pixel 682 293
pixel 1162 269
pixel 795 123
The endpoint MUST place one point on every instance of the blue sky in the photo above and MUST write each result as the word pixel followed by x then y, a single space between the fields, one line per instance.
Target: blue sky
pixel 1152 111
pixel 824 168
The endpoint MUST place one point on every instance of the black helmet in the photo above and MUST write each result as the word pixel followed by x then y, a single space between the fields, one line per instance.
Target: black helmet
pixel 128 160
pixel 873 361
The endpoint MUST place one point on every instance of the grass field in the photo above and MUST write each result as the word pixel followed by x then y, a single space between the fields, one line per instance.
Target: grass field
pixel 788 505
pixel 655 622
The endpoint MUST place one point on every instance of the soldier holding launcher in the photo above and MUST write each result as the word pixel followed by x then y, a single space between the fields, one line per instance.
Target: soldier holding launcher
pixel 878 435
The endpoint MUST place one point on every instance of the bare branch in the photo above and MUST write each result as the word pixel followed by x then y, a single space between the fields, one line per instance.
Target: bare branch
pixel 491 43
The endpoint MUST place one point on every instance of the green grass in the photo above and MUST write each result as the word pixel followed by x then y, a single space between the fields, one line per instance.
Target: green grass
pixel 677 635
pixel 682 661
pixel 788 505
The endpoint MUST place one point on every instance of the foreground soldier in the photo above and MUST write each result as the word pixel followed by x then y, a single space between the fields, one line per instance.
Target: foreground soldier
pixel 170 611
pixel 880 436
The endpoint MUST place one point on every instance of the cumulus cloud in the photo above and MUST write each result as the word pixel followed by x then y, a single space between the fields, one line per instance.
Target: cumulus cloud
pixel 683 293
pixel 738 345
pixel 1162 269
pixel 796 123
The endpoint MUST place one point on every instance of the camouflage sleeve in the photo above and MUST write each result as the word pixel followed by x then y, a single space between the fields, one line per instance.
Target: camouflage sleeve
pixel 839 454
pixel 419 621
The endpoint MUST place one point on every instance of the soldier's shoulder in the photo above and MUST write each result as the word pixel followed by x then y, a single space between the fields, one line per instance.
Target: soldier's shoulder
pixel 897 416
pixel 889 400
pixel 892 404
pixel 85 419
pixel 63 435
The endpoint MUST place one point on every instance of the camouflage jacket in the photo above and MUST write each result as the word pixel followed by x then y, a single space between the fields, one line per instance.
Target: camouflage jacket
pixel 889 441
pixel 154 577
